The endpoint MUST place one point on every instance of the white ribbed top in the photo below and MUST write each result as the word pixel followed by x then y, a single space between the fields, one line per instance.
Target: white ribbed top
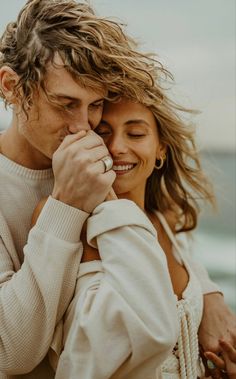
pixel 184 362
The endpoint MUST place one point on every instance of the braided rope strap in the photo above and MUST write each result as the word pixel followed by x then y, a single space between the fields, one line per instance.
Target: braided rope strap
pixel 187 342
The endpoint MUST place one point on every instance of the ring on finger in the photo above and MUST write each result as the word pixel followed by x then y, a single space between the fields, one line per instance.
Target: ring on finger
pixel 108 163
pixel 210 364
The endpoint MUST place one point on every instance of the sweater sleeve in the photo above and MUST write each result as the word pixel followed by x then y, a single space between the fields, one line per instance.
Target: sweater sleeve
pixel 122 322
pixel 35 297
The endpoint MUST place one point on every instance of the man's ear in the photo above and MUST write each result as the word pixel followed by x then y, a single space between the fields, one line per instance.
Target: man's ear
pixel 8 81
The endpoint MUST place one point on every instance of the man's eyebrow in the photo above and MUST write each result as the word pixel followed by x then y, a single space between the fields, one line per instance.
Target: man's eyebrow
pixel 66 97
pixel 71 98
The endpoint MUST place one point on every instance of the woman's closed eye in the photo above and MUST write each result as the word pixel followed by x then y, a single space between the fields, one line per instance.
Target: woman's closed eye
pixel 102 131
pixel 136 135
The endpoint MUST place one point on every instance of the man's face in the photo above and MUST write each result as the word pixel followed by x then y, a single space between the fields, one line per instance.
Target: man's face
pixel 77 108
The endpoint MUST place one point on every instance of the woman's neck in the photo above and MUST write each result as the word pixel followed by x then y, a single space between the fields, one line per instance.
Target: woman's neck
pixel 136 199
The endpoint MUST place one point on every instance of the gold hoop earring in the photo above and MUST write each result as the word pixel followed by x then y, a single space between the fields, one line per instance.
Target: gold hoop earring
pixel 161 162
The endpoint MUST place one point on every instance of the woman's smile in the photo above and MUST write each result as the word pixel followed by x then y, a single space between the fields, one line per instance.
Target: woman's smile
pixel 122 167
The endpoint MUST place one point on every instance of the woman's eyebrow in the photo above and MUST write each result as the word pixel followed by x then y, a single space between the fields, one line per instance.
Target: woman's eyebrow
pixel 129 122
pixel 136 121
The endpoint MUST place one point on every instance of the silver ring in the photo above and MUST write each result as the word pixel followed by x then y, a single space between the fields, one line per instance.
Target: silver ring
pixel 108 163
pixel 210 364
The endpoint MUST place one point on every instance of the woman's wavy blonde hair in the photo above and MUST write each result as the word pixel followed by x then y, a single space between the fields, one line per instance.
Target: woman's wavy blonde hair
pixel 98 54
pixel 179 187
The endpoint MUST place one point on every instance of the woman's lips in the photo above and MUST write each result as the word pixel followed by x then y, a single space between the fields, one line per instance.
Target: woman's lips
pixel 122 167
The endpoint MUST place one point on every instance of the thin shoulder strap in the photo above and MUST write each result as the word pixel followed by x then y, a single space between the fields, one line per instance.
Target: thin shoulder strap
pixel 171 236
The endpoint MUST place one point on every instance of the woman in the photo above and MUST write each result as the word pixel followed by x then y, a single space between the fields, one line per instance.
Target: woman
pixel 150 170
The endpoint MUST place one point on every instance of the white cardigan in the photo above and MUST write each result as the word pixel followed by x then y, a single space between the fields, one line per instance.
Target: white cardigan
pixel 122 322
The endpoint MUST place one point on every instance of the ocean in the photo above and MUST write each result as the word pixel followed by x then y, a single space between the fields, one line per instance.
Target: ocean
pixel 215 238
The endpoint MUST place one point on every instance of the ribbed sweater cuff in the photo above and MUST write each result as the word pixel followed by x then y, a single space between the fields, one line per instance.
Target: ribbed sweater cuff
pixel 61 220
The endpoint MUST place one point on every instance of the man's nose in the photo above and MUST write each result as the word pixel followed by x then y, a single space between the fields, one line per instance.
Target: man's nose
pixel 78 126
pixel 81 122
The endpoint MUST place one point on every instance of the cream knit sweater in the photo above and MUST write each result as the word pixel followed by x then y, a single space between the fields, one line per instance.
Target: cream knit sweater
pixel 38 267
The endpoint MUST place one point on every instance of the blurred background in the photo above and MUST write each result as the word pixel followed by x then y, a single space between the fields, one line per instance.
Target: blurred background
pixel 196 41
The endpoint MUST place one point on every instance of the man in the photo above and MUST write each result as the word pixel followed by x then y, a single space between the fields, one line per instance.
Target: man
pixel 57 63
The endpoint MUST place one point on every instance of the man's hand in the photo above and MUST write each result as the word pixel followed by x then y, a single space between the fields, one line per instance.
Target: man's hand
pixel 218 322
pixel 80 180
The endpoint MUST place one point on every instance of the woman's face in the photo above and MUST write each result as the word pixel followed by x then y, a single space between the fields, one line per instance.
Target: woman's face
pixel 130 132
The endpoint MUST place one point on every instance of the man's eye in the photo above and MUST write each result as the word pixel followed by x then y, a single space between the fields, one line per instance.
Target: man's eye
pixel 97 105
pixel 69 106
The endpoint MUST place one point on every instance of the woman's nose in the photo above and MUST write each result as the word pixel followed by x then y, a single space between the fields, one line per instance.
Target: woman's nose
pixel 117 145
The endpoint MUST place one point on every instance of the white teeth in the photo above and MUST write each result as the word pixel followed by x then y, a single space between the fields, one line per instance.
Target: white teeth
pixel 122 167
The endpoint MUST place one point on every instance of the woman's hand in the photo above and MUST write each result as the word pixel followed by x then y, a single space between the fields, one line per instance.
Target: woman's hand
pixel 37 211
pixel 89 252
pixel 217 321
pixel 226 362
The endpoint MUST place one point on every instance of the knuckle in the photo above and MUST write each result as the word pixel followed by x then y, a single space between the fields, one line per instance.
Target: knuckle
pixel 89 173
pixel 95 136
pixel 98 138
pixel 83 160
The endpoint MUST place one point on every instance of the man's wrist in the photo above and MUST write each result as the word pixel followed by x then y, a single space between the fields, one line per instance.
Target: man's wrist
pixel 61 220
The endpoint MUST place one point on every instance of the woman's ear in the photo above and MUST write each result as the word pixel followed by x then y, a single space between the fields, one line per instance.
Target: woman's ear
pixel 8 81
pixel 161 150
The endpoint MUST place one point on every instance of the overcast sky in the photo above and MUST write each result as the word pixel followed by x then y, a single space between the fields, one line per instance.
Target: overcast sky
pixel 196 40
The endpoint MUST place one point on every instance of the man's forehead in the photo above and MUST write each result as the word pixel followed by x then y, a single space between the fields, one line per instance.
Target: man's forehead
pixel 55 65
pixel 58 80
